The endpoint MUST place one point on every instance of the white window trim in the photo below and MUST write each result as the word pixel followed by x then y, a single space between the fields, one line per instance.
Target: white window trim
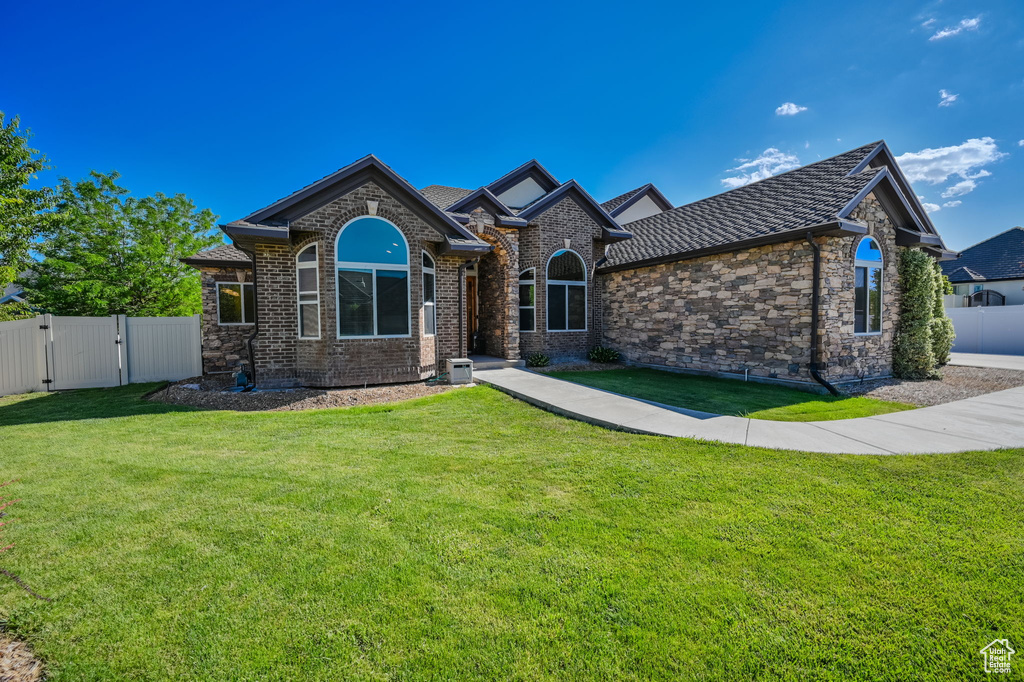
pixel 880 264
pixel 532 308
pixel 432 270
pixel 373 268
pixel 585 283
pixel 240 291
pixel 314 265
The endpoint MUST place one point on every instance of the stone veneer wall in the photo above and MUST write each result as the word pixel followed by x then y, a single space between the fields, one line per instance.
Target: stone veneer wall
pixel 537 243
pixel 223 346
pixel 751 310
pixel 498 289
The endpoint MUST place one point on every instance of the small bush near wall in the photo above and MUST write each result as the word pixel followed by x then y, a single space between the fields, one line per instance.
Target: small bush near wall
pixel 602 354
pixel 538 360
pixel 913 354
pixel 942 327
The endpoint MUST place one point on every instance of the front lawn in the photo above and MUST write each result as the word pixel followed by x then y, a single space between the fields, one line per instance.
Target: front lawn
pixel 730 396
pixel 471 536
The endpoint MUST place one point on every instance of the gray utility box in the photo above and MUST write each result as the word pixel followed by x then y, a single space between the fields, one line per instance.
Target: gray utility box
pixel 460 371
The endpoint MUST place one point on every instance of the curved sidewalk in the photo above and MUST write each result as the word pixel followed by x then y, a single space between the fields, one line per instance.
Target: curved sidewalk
pixel 987 422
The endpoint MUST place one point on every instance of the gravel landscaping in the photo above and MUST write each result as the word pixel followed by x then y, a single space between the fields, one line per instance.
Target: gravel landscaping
pixel 957 383
pixel 17 664
pixel 210 393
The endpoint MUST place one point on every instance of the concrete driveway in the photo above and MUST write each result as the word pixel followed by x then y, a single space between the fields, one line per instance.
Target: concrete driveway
pixel 984 360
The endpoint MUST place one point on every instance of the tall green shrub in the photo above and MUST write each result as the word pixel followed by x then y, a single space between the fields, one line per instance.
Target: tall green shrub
pixel 913 354
pixel 942 327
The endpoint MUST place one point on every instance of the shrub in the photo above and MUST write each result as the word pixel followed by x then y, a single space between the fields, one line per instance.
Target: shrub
pixel 913 356
pixel 538 360
pixel 602 354
pixel 942 327
pixel 15 310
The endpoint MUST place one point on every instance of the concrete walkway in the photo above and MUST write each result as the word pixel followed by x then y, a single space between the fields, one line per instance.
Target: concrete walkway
pixel 986 360
pixel 987 422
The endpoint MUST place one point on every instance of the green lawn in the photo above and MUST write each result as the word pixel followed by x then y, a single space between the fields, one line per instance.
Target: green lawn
pixel 469 535
pixel 729 396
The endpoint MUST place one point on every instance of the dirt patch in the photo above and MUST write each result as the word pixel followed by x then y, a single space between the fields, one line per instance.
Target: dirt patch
pixel 957 383
pixel 209 393
pixel 17 664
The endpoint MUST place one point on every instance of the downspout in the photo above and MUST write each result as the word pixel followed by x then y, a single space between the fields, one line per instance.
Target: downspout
pixel 462 308
pixel 256 322
pixel 815 295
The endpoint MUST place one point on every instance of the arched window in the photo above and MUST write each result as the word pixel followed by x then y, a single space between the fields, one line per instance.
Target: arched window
pixel 429 307
pixel 867 306
pixel 528 300
pixel 373 279
pixel 307 279
pixel 567 292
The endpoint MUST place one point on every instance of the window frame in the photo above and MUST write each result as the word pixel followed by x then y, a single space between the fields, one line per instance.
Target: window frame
pixel 424 271
pixel 584 283
pixel 532 281
pixel 315 266
pixel 373 268
pixel 241 292
pixel 869 265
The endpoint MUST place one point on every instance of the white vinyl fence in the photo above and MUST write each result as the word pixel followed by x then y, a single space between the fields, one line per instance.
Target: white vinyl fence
pixel 991 329
pixel 50 352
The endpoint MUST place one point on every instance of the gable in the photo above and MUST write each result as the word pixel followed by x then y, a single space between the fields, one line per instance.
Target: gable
pixel 524 185
pixel 645 207
pixel 610 230
pixel 526 192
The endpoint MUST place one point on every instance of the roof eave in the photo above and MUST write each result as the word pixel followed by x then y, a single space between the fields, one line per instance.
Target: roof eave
pixel 272 233
pixel 609 228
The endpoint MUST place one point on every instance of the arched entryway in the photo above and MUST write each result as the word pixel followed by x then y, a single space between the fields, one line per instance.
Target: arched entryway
pixel 492 300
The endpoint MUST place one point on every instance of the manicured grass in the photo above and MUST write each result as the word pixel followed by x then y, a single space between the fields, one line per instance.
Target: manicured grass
pixel 729 396
pixel 471 536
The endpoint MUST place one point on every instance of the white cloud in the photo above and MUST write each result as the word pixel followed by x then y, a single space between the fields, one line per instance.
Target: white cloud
pixel 789 109
pixel 929 23
pixel 807 145
pixel 769 163
pixel 964 25
pixel 1020 143
pixel 931 208
pixel 959 189
pixel 952 204
pixel 946 98
pixel 937 165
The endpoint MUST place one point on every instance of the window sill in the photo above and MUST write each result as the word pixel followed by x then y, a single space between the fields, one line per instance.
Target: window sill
pixel 867 333
pixel 371 337
pixel 235 324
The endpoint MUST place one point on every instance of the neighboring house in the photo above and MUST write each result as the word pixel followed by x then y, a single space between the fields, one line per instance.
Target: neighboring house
pixel 13 292
pixel 361 278
pixel 995 265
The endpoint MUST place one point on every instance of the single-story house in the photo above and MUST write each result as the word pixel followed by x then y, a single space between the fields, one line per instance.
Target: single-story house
pixel 989 273
pixel 362 278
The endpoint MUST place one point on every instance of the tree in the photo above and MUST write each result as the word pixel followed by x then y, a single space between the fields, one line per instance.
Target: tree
pixel 22 209
pixel 943 333
pixel 111 254
pixel 913 354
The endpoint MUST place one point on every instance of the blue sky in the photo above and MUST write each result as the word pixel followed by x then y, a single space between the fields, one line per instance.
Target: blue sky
pixel 239 105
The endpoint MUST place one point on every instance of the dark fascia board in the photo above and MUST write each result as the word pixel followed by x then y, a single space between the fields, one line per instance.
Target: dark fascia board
pixel 647 190
pixel 611 230
pixel 881 154
pixel 480 198
pixel 884 176
pixel 261 232
pixel 835 228
pixel 906 237
pixel 500 220
pixel 531 168
pixel 351 177
pixel 987 279
pixel 203 262
pixel 469 248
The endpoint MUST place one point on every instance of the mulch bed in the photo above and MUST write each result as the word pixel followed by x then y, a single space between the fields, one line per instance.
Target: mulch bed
pixel 209 393
pixel 957 383
pixel 17 664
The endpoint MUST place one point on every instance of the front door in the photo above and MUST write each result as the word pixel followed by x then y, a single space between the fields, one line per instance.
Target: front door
pixel 471 314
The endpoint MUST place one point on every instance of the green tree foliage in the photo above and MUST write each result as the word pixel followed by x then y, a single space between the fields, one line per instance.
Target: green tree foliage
pixel 112 254
pixel 913 354
pixel 942 327
pixel 15 310
pixel 22 209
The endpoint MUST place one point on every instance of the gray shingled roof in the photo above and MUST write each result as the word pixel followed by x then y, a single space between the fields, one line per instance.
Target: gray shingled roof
pixel 612 204
pixel 807 196
pixel 999 257
pixel 443 196
pixel 225 253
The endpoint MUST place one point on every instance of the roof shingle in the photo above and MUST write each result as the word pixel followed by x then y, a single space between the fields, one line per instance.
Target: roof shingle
pixel 999 257
pixel 225 253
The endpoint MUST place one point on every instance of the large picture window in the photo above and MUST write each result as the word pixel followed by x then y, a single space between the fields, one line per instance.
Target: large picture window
pixel 567 292
pixel 373 279
pixel 867 307
pixel 307 278
pixel 528 300
pixel 235 303
pixel 429 303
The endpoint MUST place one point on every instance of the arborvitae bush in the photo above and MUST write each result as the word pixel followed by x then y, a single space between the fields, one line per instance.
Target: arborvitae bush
pixel 942 327
pixel 913 356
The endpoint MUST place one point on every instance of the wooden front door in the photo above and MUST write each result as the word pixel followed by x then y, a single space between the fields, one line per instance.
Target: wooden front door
pixel 471 313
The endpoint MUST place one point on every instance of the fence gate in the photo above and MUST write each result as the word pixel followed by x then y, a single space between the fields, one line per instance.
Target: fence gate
pixel 23 355
pixel 84 352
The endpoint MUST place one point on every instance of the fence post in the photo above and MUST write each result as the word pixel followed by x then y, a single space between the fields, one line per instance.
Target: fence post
pixel 123 375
